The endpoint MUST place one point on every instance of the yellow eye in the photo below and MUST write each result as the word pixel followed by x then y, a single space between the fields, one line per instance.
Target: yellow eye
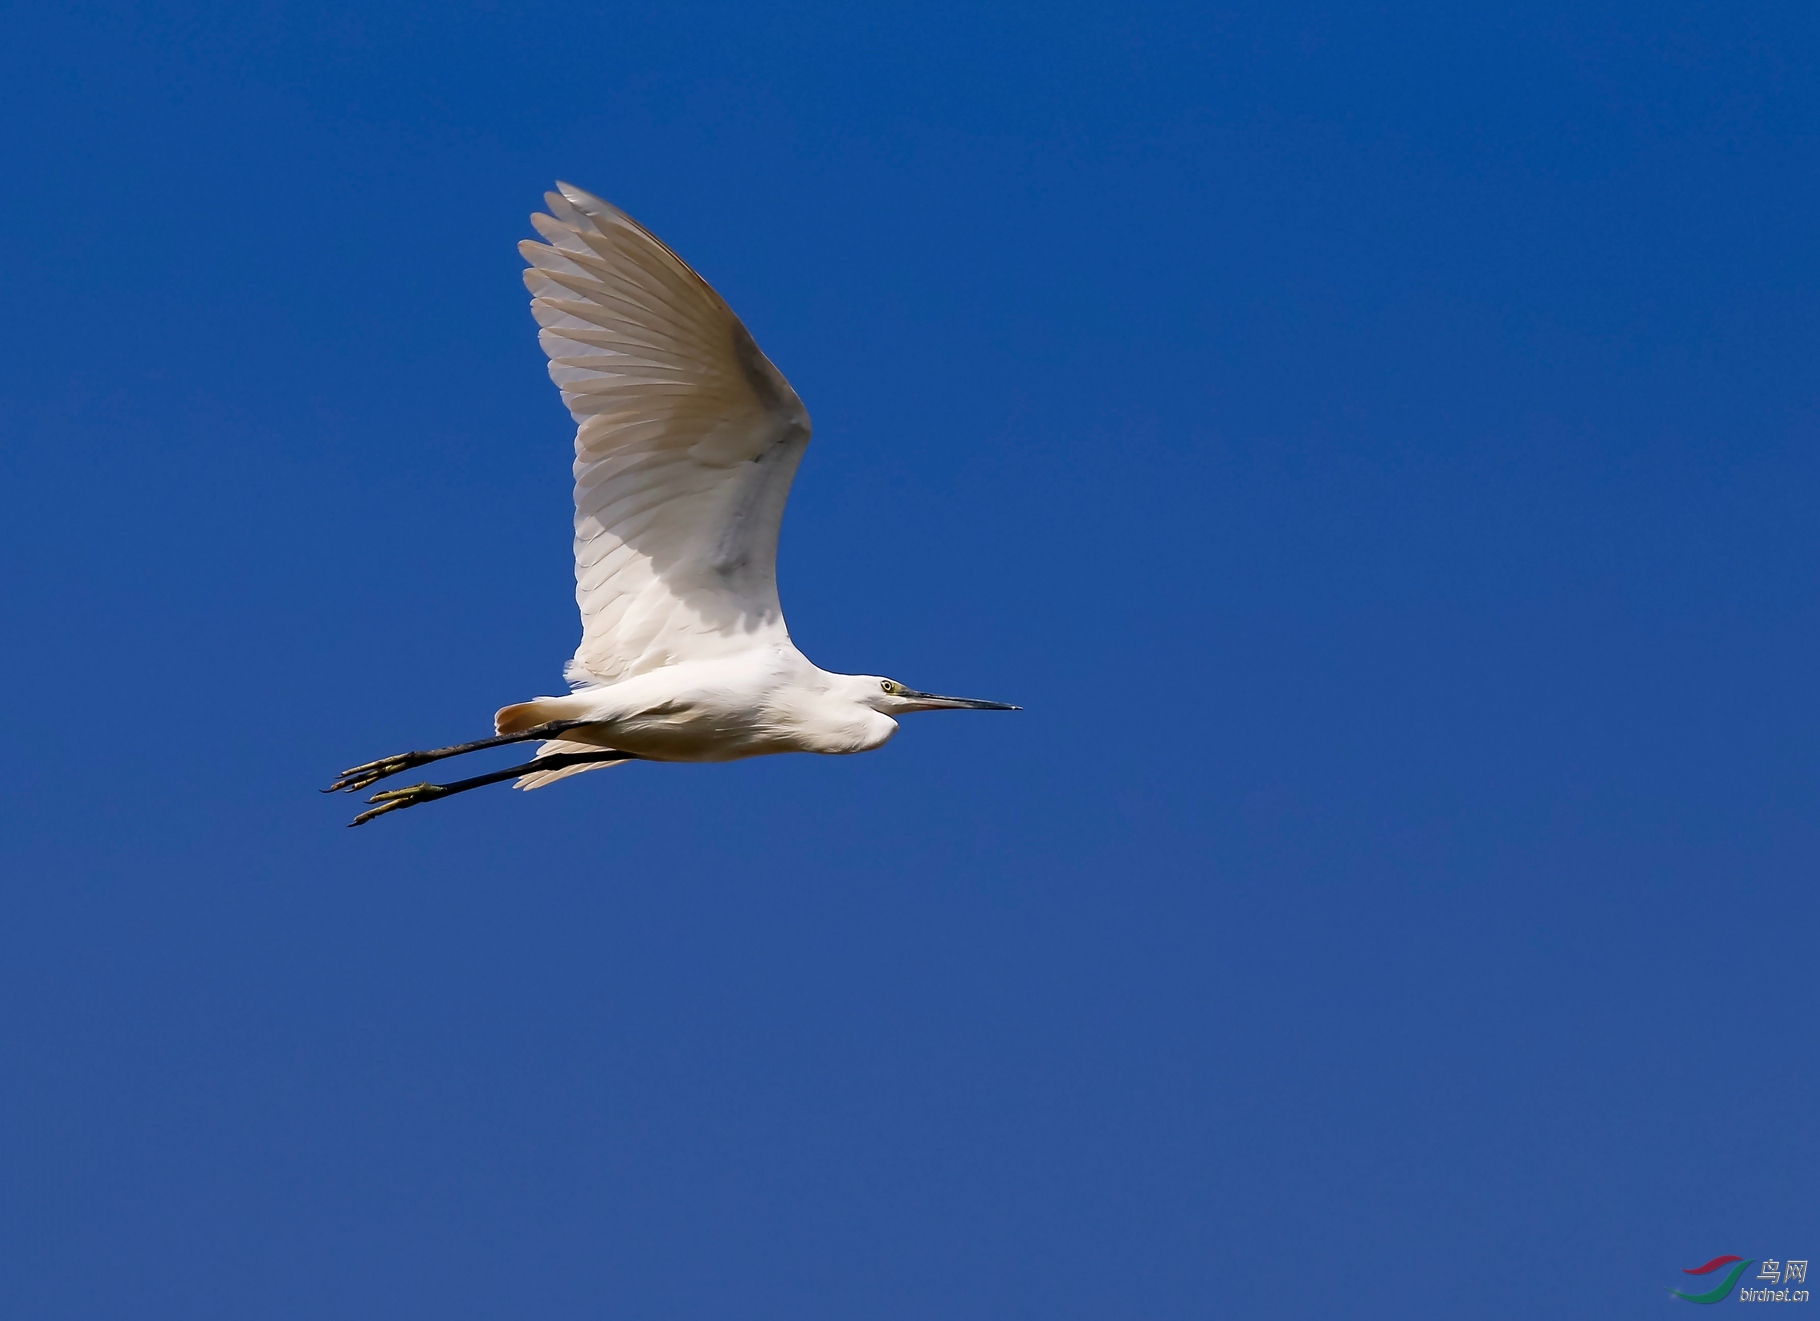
pixel 889 687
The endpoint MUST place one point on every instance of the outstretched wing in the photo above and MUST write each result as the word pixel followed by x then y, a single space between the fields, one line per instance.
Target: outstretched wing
pixel 687 442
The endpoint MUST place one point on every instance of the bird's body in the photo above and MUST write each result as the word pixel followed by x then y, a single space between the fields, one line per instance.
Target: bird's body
pixel 764 700
pixel 687 440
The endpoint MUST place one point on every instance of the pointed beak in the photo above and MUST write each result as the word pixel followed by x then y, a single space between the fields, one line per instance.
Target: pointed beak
pixel 931 702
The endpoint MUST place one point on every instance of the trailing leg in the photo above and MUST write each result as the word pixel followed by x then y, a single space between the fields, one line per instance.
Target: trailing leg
pixel 359 777
pixel 391 800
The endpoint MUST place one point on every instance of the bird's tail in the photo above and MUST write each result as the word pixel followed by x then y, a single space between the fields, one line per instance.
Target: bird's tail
pixel 519 717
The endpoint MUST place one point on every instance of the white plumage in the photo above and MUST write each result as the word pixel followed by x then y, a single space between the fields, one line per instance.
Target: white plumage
pixel 686 443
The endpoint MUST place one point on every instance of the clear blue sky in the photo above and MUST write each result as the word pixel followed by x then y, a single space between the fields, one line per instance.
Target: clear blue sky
pixel 1375 444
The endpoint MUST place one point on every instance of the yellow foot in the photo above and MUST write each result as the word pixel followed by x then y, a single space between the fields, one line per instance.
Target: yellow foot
pixel 394 799
pixel 356 778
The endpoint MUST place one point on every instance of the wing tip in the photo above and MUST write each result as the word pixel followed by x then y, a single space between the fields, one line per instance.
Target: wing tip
pixel 587 203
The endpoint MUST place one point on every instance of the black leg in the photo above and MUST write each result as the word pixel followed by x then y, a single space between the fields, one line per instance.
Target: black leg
pixel 359 777
pixel 394 799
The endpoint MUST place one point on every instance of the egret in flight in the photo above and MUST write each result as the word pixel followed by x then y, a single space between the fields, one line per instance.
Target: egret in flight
pixel 687 439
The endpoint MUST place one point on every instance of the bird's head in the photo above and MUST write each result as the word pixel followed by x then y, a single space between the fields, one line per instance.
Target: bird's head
pixel 892 698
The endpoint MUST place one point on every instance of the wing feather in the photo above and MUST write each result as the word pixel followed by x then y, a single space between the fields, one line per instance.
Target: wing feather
pixel 686 443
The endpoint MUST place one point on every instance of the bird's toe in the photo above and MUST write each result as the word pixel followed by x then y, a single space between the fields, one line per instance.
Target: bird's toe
pixel 356 778
pixel 391 800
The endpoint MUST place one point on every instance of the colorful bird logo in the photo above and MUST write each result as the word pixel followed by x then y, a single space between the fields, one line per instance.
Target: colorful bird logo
pixel 1725 1286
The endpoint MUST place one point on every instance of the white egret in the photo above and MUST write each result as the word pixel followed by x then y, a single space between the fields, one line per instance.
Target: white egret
pixel 686 444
